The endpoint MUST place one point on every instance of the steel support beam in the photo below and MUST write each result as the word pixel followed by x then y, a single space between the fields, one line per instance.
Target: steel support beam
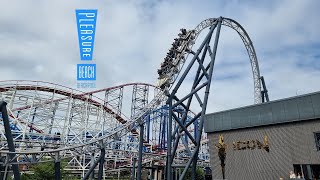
pixel 92 164
pixel 57 167
pixel 181 122
pixel 169 143
pixel 264 92
pixel 101 163
pixel 2 167
pixel 184 117
pixel 206 96
pixel 11 147
pixel 173 94
pixel 134 168
pixel 140 149
pixel 92 167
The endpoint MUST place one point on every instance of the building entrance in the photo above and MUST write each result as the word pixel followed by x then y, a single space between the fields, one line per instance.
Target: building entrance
pixel 307 171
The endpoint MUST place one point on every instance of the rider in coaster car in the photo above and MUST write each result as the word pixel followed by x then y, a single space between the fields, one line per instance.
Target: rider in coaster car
pixel 170 53
pixel 177 43
pixel 184 31
pixel 174 45
pixel 179 40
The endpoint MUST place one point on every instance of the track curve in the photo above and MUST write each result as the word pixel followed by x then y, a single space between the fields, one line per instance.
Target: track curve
pixel 245 39
pixel 126 123
pixel 65 91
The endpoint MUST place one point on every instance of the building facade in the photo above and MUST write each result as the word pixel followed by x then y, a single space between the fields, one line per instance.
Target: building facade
pixel 268 140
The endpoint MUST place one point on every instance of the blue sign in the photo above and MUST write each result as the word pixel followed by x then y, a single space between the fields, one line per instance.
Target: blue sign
pixel 86 72
pixel 86 23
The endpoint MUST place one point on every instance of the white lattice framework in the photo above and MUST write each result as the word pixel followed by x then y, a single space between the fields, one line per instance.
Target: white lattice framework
pixel 47 119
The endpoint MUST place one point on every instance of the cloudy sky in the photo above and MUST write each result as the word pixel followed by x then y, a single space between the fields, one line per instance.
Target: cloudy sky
pixel 39 42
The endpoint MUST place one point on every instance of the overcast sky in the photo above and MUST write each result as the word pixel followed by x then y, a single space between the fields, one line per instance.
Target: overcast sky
pixel 39 42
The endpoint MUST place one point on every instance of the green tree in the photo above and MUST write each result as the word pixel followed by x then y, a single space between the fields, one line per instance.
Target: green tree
pixel 40 171
pixel 43 171
pixel 199 174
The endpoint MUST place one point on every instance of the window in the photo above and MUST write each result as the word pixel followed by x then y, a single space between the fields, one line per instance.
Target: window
pixel 317 138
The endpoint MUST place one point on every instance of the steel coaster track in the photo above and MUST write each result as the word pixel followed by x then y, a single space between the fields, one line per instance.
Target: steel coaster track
pixel 205 71
pixel 173 75
pixel 77 96
pixel 81 96
pixel 126 124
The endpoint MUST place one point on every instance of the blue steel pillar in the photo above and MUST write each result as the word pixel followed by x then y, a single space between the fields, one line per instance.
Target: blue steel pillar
pixel 182 125
pixel 11 147
pixel 140 150
pixel 101 163
pixel 134 168
pixel 57 167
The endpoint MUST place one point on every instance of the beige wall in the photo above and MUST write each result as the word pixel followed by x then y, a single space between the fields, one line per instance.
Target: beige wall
pixel 289 144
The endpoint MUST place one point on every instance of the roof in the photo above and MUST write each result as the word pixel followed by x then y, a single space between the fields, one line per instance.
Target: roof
pixel 298 108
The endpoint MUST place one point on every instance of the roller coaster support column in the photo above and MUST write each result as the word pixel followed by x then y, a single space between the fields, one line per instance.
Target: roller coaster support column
pixel 101 163
pixel 205 71
pixel 93 166
pixel 140 150
pixel 206 96
pixel 57 167
pixel 134 168
pixel 92 163
pixel 264 92
pixel 6 124
pixel 1 168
